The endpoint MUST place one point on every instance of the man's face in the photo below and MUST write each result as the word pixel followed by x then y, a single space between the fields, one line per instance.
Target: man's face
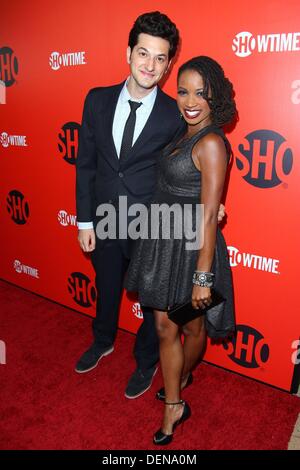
pixel 148 60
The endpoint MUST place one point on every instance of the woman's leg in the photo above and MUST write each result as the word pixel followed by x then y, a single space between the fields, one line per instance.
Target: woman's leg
pixel 171 360
pixel 194 345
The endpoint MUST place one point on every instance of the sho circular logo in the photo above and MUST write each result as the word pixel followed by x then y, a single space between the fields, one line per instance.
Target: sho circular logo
pixel 82 289
pixel 243 44
pixel 17 207
pixel 4 139
pixel 63 218
pixel 66 219
pixel 55 60
pixel 248 348
pixel 18 266
pixel 9 66
pixel 264 159
pixel 235 256
pixel 68 141
pixel 137 311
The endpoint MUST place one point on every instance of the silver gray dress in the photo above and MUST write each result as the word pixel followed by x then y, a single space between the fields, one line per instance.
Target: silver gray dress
pixel 161 270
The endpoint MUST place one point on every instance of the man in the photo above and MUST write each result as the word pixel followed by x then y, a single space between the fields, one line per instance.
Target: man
pixel 124 129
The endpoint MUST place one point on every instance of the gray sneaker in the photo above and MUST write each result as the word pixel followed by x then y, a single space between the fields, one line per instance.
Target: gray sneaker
pixel 140 382
pixel 90 359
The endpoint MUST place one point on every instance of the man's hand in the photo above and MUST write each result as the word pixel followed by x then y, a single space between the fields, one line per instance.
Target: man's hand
pixel 221 213
pixel 87 239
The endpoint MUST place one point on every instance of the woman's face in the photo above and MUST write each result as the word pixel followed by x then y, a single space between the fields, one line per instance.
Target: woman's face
pixel 193 107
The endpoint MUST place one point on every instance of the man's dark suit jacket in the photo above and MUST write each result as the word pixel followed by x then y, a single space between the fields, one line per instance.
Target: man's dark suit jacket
pixel 100 176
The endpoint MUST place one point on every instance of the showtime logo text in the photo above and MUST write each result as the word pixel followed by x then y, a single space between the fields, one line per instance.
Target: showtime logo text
pixel 245 43
pixel 67 59
pixel 24 269
pixel 7 140
pixel 66 219
pixel 251 261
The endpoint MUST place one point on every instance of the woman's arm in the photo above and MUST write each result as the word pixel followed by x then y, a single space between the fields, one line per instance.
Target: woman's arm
pixel 210 157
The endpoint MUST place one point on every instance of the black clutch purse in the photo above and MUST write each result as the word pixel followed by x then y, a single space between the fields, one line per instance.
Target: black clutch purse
pixel 182 314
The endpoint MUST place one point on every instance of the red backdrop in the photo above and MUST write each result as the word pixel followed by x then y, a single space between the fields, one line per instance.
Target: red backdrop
pixel 52 53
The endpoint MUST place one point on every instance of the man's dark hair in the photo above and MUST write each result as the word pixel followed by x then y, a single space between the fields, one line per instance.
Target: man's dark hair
pixel 221 102
pixel 156 24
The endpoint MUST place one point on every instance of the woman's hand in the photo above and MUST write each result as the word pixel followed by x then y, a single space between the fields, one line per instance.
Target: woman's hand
pixel 201 297
pixel 221 213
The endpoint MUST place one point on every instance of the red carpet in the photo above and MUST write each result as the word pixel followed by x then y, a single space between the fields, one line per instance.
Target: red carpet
pixel 45 405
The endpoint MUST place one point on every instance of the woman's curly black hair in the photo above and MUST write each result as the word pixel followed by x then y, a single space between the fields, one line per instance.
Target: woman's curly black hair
pixel 221 101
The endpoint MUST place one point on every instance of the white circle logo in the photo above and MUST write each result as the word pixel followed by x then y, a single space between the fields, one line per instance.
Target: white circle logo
pixel 136 310
pixel 55 60
pixel 63 218
pixel 243 44
pixel 4 139
pixel 18 266
pixel 235 256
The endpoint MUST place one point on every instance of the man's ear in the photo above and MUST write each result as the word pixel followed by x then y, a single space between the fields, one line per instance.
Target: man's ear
pixel 128 54
pixel 169 65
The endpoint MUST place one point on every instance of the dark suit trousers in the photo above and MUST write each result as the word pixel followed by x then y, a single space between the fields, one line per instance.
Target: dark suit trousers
pixel 110 260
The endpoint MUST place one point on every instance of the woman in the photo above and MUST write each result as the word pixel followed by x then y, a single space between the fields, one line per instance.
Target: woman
pixel 163 271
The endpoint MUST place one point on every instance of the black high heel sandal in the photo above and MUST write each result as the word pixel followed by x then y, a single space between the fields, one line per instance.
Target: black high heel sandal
pixel 162 439
pixel 160 394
